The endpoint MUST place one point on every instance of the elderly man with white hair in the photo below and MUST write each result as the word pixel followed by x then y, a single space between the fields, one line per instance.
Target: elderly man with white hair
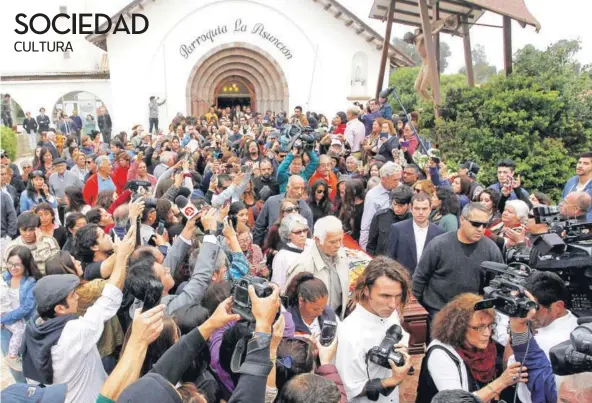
pixel 378 197
pixel 355 131
pixel 99 181
pixel 293 233
pixel 167 160
pixel 327 261
pixel 576 388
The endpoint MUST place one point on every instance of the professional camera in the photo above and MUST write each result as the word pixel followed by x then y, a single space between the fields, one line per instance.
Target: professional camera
pixel 296 136
pixel 328 332
pixel 499 292
pixel 384 352
pixel 241 304
pixel 575 355
pixel 139 190
pixel 565 250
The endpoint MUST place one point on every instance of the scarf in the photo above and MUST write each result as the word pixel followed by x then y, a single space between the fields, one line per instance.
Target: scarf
pixel 481 363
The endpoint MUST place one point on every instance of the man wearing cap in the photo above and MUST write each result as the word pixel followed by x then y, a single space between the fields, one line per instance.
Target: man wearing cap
pixel 98 182
pixel 398 211
pixel 61 347
pixel 61 178
pixel 470 170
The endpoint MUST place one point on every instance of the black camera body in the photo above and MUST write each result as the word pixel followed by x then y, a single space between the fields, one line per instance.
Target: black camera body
pixel 384 352
pixel 328 332
pixel 139 190
pixel 498 294
pixel 241 303
pixel 296 136
pixel 575 355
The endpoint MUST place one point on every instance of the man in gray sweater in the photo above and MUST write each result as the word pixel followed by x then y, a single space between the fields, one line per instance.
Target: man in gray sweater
pixel 451 263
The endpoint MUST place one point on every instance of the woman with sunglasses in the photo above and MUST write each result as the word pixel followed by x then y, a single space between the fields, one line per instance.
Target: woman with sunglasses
pixel 273 243
pixel 21 275
pixel 37 192
pixel 293 233
pixel 462 354
pixel 318 200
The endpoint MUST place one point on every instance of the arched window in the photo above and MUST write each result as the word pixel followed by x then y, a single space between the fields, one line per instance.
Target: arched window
pixel 83 102
pixel 11 111
pixel 359 74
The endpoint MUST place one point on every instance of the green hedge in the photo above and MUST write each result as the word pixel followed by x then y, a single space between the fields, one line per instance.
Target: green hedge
pixel 8 141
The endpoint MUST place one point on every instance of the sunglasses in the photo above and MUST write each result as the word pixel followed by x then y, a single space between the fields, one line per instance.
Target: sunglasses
pixel 320 191
pixel 89 162
pixel 292 210
pixel 300 231
pixel 37 173
pixel 477 224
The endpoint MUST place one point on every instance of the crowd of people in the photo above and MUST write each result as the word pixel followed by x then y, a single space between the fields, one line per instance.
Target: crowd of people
pixel 123 254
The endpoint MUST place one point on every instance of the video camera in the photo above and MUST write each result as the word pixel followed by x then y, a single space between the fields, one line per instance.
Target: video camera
pixel 139 190
pixel 566 250
pixel 384 352
pixel 499 293
pixel 296 136
pixel 241 303
pixel 574 355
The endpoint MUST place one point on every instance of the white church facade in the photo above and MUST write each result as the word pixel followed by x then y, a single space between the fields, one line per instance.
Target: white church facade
pixel 270 54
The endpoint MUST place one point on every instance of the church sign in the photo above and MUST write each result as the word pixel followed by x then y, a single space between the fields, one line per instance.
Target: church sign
pixel 212 35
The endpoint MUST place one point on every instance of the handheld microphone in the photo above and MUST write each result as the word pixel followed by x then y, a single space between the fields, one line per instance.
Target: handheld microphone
pixel 186 207
pixel 385 93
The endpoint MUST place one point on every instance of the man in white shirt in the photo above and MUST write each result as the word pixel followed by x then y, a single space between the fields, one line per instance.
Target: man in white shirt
pixel 407 239
pixel 355 131
pixel 59 345
pixel 379 198
pixel 381 290
pixel 552 323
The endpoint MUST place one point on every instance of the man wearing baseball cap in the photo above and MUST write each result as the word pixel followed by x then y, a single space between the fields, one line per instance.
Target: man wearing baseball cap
pixel 60 346
pixel 24 393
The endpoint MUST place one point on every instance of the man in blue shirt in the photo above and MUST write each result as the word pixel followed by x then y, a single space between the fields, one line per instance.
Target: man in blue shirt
pixel 385 109
pixel 582 182
pixel 369 118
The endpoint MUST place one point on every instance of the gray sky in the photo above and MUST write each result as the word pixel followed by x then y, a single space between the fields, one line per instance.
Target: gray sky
pixel 565 19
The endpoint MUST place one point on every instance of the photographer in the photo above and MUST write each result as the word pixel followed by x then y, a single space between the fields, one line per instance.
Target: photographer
pixel 462 353
pixel 381 293
pixel 553 323
pixel 293 164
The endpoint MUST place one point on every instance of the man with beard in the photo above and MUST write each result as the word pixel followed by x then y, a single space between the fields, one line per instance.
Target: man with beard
pixel 381 222
pixel 265 185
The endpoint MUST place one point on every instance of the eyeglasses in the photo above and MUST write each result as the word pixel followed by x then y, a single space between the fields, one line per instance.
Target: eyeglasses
pixel 300 231
pixel 291 210
pixel 320 191
pixel 477 224
pixel 37 173
pixel 27 167
pixel 88 162
pixel 15 265
pixel 482 328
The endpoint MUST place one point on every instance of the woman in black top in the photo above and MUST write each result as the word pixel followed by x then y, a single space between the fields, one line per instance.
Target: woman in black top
pixel 352 208
pixel 318 200
pixel 48 225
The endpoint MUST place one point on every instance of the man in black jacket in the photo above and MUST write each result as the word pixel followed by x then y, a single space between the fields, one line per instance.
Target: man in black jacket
pixel 105 124
pixel 383 219
pixel 265 185
pixel 42 121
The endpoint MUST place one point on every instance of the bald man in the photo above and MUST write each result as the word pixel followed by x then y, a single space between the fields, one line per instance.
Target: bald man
pixel 575 206
pixel 325 173
pixel 271 209
pixel 576 388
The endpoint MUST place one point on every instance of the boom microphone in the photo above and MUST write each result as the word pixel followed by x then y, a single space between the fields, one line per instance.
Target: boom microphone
pixel 385 93
pixel 186 207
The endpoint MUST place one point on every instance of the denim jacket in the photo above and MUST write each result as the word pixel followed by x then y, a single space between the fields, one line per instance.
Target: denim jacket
pixel 26 298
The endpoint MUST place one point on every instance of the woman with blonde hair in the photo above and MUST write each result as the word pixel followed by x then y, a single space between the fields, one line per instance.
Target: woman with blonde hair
pixel 462 353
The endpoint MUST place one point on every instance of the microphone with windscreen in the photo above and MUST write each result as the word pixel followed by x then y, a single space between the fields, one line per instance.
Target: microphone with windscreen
pixel 186 207
pixel 183 191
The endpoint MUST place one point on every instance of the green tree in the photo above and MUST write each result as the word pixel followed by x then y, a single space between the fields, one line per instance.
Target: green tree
pixel 411 51
pixel 8 141
pixel 481 67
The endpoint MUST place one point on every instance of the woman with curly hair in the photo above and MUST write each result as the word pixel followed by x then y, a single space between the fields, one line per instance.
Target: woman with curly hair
pixel 462 353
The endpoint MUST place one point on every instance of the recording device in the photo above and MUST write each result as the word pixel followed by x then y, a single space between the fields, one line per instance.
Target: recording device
pixel 384 352
pixel 241 303
pixel 565 250
pixel 186 207
pixel 574 355
pixel 139 190
pixel 385 94
pixel 499 294
pixel 146 289
pixel 328 332
pixel 160 229
pixel 296 136
pixel 404 144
